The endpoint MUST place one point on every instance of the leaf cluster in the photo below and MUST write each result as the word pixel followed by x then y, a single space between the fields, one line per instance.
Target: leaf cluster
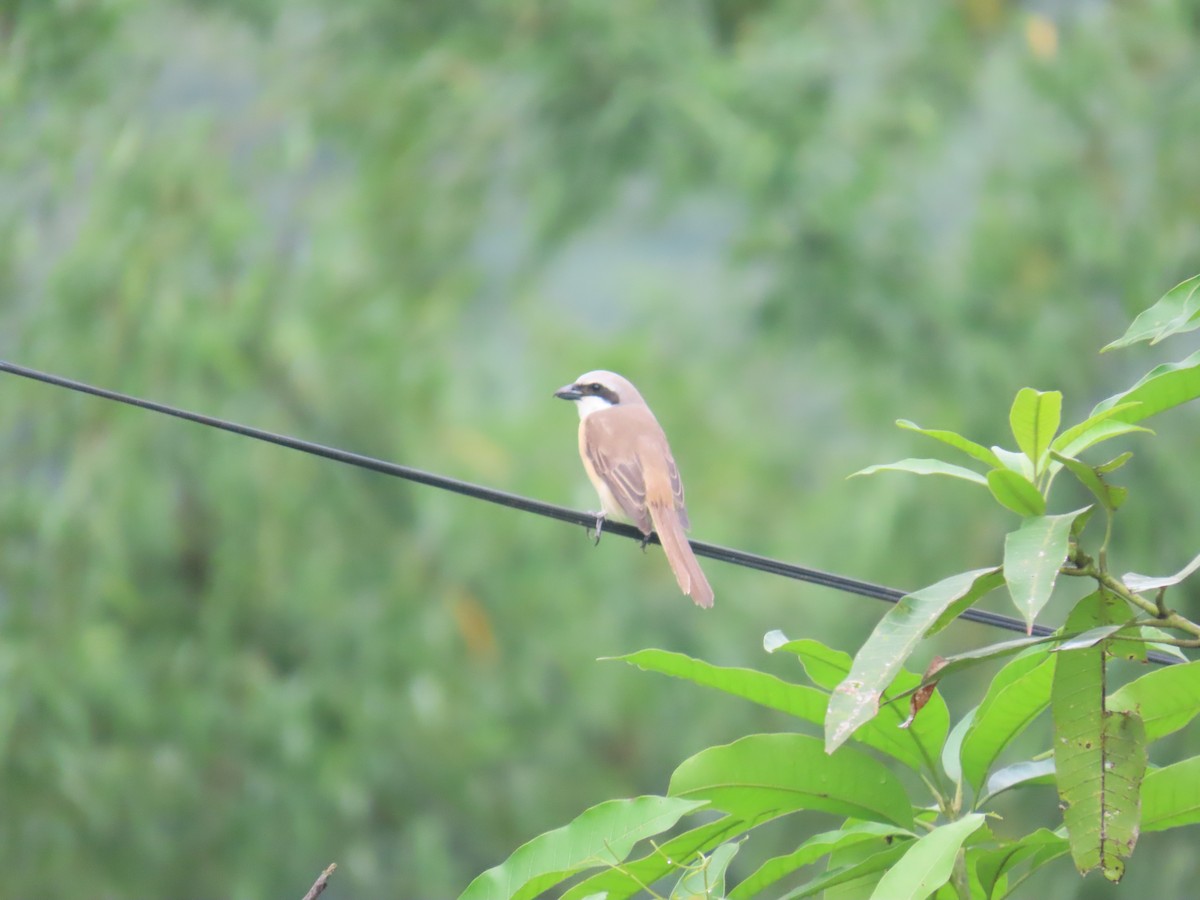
pixel 941 837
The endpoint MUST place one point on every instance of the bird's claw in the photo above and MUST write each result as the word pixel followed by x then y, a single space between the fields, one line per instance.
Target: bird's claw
pixel 598 529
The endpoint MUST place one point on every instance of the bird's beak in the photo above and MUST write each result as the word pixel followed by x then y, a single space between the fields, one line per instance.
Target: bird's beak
pixel 568 392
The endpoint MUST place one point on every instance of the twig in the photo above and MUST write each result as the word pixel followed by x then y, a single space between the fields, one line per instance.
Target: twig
pixel 319 885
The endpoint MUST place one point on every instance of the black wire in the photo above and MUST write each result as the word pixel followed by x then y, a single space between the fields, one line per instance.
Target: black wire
pixel 550 510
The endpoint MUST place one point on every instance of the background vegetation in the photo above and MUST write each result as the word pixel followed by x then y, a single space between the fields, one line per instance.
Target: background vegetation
pixel 397 227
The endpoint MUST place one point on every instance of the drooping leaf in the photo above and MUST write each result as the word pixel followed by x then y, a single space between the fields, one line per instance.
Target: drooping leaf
pixel 815 848
pixel 1162 388
pixel 781 772
pixel 1017 695
pixel 856 698
pixel 1138 583
pixel 601 836
pixel 1034 418
pixel 1016 492
pixel 916 747
pixel 928 863
pixel 1171 796
pixel 1176 312
pixel 955 440
pixel 924 467
pixel 1100 756
pixel 1166 699
pixel 1033 555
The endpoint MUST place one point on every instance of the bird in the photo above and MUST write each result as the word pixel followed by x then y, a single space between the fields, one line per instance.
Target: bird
pixel 628 460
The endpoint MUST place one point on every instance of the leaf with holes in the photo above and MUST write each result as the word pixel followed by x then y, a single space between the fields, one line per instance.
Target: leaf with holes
pixel 1100 756
pixel 856 699
pixel 916 746
pixel 1033 555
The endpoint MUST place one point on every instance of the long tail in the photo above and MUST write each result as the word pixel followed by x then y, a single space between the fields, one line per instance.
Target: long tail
pixel 679 554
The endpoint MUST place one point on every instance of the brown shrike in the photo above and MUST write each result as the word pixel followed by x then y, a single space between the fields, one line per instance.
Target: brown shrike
pixel 629 462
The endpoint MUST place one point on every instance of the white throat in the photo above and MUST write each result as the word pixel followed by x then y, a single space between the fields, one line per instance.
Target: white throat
pixel 590 404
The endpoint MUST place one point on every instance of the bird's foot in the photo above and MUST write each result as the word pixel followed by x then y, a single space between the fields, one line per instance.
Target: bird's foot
pixel 644 541
pixel 598 529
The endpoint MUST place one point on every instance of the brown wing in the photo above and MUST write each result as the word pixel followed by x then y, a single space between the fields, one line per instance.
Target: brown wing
pixel 609 440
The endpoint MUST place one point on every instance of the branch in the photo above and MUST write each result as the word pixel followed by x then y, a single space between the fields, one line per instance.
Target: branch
pixel 319 885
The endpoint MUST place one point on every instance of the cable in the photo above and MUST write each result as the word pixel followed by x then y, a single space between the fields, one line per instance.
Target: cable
pixel 515 501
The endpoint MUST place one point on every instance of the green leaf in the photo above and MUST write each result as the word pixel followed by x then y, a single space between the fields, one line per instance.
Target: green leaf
pixel 1110 497
pixel 1015 462
pixel 601 836
pixel 1154 636
pixel 759 687
pixel 925 467
pixel 1100 756
pixel 856 699
pixel 965 602
pixel 817 847
pixel 955 440
pixel 1034 418
pixel 915 746
pixel 1039 846
pixel 784 772
pixel 879 861
pixel 1017 695
pixel 1040 771
pixel 1105 431
pixel 631 877
pixel 1166 699
pixel 1177 311
pixel 970 658
pixel 706 878
pixel 1115 463
pixel 952 749
pixel 928 863
pixel 1016 492
pixel 1033 555
pixel 1066 443
pixel 1162 388
pixel 1138 583
pixel 1171 796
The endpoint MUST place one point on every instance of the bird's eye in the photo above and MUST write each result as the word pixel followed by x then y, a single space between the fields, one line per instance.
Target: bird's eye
pixel 595 387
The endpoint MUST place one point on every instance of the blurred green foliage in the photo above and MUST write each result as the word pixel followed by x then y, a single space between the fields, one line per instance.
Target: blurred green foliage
pixel 396 227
